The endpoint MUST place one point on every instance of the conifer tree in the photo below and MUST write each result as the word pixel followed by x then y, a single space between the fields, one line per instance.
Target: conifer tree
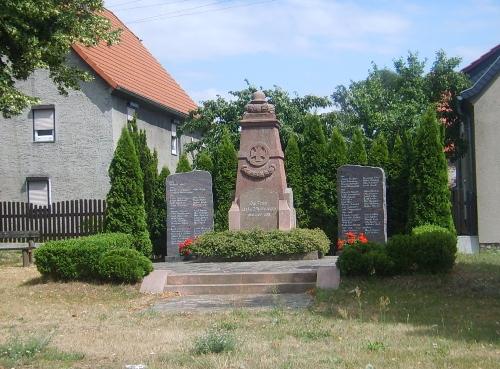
pixel 125 200
pixel 183 165
pixel 337 156
pixel 357 150
pixel 429 193
pixel 204 162
pixel 294 177
pixel 379 153
pixel 224 177
pixel 398 169
pixel 314 166
pixel 159 227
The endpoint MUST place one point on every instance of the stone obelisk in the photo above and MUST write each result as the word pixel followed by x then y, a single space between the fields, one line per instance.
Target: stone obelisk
pixel 262 199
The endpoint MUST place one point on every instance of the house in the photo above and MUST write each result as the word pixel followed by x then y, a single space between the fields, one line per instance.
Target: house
pixel 61 150
pixel 477 192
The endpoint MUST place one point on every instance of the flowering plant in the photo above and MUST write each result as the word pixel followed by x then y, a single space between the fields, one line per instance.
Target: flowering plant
pixel 184 247
pixel 351 239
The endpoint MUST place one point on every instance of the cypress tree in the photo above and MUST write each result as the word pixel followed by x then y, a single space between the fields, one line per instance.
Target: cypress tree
pixel 159 233
pixel 314 166
pixel 337 156
pixel 125 200
pixel 224 177
pixel 294 177
pixel 379 153
pixel 398 169
pixel 183 165
pixel 429 193
pixel 357 150
pixel 204 162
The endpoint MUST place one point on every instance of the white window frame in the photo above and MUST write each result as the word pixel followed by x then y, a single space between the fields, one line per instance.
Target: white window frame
pixel 174 140
pixel 38 179
pixel 132 108
pixel 44 138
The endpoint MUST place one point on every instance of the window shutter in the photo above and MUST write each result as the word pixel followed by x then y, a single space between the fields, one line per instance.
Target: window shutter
pixel 44 119
pixel 38 192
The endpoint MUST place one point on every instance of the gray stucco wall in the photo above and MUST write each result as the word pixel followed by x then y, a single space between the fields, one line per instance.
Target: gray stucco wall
pixel 487 128
pixel 77 162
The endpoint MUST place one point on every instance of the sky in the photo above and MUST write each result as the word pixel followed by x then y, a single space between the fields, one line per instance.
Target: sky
pixel 305 46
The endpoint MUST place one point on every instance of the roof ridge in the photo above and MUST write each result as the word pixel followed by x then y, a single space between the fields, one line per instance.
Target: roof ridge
pixel 481 58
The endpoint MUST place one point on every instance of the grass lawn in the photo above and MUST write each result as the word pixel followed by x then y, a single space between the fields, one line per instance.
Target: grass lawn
pixel 448 321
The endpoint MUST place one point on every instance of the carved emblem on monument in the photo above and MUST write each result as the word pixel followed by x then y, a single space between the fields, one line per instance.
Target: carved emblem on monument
pixel 258 156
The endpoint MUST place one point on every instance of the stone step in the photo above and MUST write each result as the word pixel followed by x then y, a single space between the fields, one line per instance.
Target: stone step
pixel 240 289
pixel 241 278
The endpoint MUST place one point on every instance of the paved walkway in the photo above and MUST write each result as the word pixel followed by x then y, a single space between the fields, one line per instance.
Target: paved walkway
pixel 192 267
pixel 204 303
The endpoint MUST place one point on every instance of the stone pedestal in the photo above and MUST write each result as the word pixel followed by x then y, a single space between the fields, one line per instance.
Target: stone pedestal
pixel 262 199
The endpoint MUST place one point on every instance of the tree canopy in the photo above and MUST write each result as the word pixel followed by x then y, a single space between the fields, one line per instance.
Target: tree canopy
pixel 38 34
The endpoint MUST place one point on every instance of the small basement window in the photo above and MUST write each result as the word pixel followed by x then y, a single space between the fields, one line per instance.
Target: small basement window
pixel 174 141
pixel 38 191
pixel 44 124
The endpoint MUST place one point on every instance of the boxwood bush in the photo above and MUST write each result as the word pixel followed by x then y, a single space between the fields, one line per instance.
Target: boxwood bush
pixel 252 244
pixel 79 258
pixel 124 265
pixel 429 249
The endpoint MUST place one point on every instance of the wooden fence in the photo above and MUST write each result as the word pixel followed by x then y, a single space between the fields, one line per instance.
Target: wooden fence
pixel 60 220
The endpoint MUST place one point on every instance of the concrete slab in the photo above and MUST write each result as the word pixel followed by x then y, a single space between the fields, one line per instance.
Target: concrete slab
pixel 154 282
pixel 468 244
pixel 328 277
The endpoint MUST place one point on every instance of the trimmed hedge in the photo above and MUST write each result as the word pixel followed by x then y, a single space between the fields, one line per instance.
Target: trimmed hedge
pixel 124 265
pixel 429 228
pixel 430 250
pixel 246 245
pixel 79 258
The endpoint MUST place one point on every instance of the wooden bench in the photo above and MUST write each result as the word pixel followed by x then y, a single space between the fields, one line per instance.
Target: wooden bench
pixel 26 247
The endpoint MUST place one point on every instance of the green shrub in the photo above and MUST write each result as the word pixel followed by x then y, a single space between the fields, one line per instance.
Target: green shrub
pixel 365 259
pixel 403 251
pixel 244 245
pixel 436 251
pixel 214 342
pixel 124 265
pixel 429 228
pixel 78 258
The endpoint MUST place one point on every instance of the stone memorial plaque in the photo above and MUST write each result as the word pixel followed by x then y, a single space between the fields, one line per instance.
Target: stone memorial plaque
pixel 190 210
pixel 259 209
pixel 362 201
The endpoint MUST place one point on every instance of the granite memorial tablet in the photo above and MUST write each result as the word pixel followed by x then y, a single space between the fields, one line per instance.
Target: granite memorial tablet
pixel 362 202
pixel 190 210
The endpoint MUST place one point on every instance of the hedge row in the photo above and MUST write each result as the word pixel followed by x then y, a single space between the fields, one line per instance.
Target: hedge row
pixel 105 257
pixel 428 249
pixel 246 245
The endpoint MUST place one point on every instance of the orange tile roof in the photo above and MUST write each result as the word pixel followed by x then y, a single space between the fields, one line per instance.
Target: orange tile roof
pixel 128 65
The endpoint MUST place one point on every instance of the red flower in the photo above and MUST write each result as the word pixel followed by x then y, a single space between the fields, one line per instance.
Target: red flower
pixel 340 244
pixel 362 238
pixel 184 249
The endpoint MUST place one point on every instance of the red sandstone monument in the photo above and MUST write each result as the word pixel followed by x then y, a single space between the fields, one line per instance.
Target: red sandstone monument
pixel 262 199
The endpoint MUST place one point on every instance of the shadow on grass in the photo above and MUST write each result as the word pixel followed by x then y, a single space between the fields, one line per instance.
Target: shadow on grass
pixel 462 305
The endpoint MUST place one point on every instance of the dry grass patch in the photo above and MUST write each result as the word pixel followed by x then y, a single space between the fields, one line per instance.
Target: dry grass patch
pixel 420 322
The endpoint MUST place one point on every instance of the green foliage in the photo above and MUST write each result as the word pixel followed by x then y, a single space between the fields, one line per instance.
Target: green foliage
pixel 27 45
pixel 403 250
pixel 125 200
pixel 124 266
pixel 428 228
pixel 316 184
pixel 159 227
pixel 215 341
pixel 398 172
pixel 379 153
pixel 183 165
pixel 365 259
pixel 294 178
pixel 245 245
pixel 337 156
pixel 17 349
pixel 204 162
pixel 224 178
pixel 357 149
pixel 78 258
pixel 429 192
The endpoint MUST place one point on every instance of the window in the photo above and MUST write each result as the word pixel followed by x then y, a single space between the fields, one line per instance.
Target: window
pixel 131 110
pixel 44 124
pixel 174 142
pixel 38 191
